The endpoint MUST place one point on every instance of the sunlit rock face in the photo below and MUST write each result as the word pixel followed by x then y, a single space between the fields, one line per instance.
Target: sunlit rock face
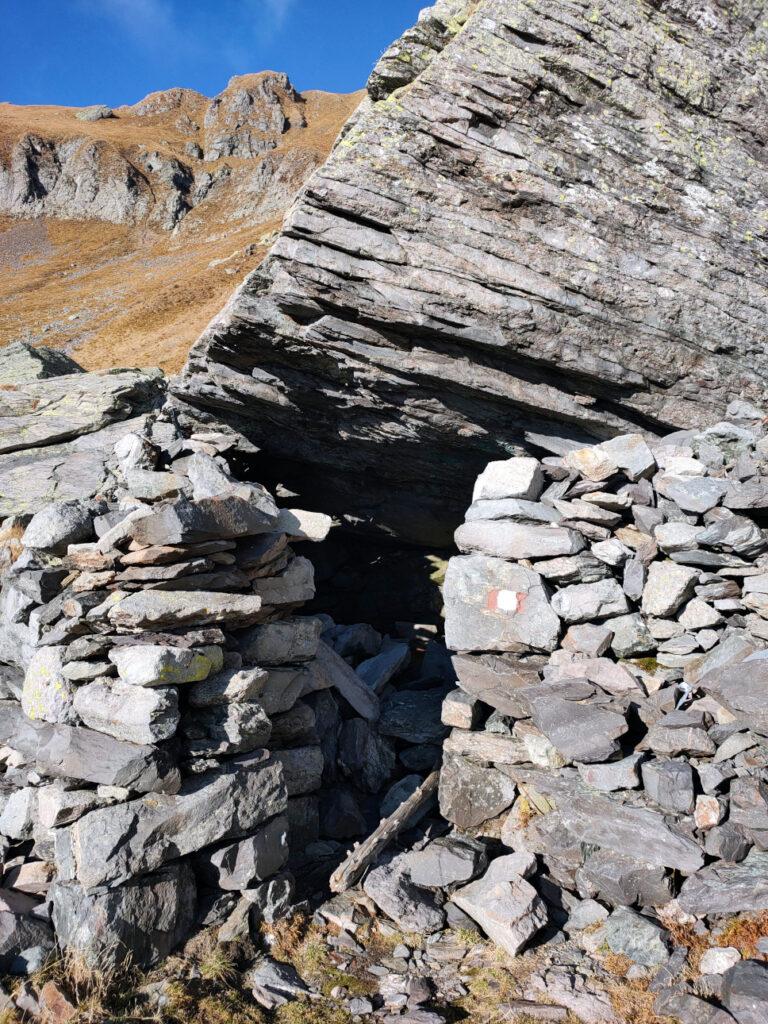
pixel 547 217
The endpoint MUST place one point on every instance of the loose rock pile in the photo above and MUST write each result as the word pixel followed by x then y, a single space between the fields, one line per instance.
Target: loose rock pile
pixel 609 612
pixel 168 719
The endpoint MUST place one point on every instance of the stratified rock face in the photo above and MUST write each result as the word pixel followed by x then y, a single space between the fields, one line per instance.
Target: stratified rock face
pixel 544 212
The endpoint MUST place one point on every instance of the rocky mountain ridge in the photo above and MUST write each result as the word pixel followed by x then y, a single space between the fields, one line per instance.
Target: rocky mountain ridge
pixel 133 223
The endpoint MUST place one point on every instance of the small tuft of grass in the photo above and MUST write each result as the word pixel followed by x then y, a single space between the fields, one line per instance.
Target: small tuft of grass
pixel 743 933
pixel 219 966
pixel 616 964
pixel 633 1003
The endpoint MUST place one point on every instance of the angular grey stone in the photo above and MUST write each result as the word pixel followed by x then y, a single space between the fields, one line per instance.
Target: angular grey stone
pixel 26 942
pixel 59 524
pixel 728 888
pixel 748 806
pixel 302 769
pixel 511 478
pixel 631 454
pixel 412 909
pixel 376 672
pixel 364 756
pixel 676 536
pixel 633 581
pixel 504 904
pixel 231 686
pixel 668 586
pixel 585 602
pixel 588 639
pixel 273 983
pixel 494 605
pixel 741 689
pixel 583 568
pixel 670 785
pixel 74 404
pixel 631 636
pixel 580 732
pixel 692 493
pixel 750 494
pixel 621 880
pixel 504 539
pixel 602 821
pixel 153 609
pixel 460 710
pixel 244 510
pixel 745 992
pixel 47 695
pixel 71 753
pixel 637 937
pixel 356 642
pixel 139 922
pixel 607 778
pixel 679 1004
pixel 471 794
pixel 286 642
pixel 413 716
pixel 737 533
pixel 333 671
pixel 293 586
pixel 680 732
pixel 295 727
pixel 112 844
pixel 20 361
pixel 398 794
pixel 225 729
pixel 156 665
pixel 726 842
pixel 496 679
pixel 130 713
pixel 449 860
pixel 19 811
pixel 515 509
pixel 240 865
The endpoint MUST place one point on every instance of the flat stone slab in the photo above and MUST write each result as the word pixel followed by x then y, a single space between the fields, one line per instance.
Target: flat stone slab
pixel 112 844
pixel 156 609
pixel 73 753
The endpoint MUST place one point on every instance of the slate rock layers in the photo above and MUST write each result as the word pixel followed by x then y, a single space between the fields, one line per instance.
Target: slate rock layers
pixel 544 213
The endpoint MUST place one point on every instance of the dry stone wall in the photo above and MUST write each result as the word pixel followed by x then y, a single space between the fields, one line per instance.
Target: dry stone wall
pixel 172 731
pixel 609 616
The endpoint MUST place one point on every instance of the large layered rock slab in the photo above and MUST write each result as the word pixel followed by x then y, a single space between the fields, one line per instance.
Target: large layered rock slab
pixel 545 214
pixel 112 844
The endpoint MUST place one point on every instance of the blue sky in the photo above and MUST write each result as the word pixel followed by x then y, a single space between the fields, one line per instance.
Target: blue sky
pixel 78 52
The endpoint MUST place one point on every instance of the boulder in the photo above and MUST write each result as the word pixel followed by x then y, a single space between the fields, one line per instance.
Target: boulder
pixel 411 908
pixel 143 920
pixel 240 865
pixel 491 604
pixel 156 665
pixel 504 904
pixel 130 713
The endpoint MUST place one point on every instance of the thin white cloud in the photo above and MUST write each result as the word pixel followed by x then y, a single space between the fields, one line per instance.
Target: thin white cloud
pixel 228 30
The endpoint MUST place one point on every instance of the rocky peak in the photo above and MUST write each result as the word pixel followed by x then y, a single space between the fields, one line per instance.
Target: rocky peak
pixel 248 117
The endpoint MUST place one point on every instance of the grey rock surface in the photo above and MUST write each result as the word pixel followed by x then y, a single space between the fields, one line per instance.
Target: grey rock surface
pixel 395 276
pixel 144 919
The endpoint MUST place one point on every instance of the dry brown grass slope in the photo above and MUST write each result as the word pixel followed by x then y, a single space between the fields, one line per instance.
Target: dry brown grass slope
pixel 120 239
